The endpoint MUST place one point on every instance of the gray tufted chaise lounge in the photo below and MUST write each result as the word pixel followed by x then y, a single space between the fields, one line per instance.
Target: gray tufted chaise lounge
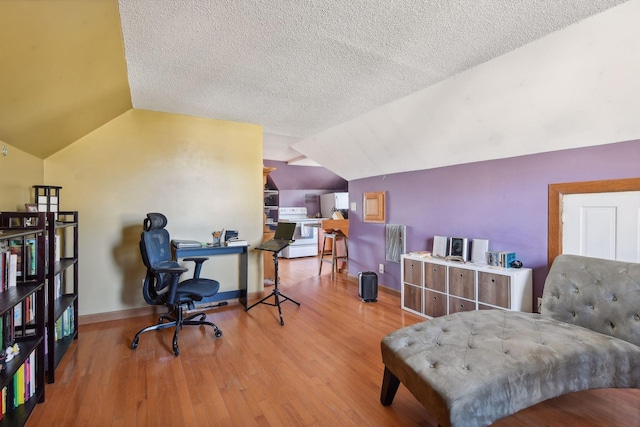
pixel 475 367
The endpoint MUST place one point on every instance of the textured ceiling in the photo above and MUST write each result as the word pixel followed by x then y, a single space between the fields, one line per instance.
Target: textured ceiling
pixel 299 67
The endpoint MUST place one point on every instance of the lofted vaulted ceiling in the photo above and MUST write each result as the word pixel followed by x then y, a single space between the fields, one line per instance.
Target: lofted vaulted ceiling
pixel 298 68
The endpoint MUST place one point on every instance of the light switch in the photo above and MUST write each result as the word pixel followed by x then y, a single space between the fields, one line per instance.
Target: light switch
pixel 353 206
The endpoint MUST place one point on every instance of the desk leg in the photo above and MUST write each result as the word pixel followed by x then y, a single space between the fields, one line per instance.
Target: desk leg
pixel 243 273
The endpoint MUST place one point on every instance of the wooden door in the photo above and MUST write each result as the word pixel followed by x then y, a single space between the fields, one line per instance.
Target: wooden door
pixel 557 192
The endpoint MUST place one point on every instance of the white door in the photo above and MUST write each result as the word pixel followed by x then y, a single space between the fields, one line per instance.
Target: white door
pixel 602 225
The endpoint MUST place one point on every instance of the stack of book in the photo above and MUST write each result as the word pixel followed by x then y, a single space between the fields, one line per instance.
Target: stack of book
pixel 500 259
pixel 21 388
pixel 236 242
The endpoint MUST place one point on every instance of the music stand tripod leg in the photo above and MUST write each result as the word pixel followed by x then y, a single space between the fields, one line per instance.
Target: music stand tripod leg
pixel 275 293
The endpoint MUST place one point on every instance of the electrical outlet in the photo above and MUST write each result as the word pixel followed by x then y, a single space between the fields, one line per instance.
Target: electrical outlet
pixel 539 304
pixel 381 268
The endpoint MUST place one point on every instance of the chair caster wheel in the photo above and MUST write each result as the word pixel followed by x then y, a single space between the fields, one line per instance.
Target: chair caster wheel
pixel 218 333
pixel 176 350
pixel 134 344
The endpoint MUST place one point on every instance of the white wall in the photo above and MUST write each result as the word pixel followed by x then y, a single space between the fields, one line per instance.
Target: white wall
pixel 577 87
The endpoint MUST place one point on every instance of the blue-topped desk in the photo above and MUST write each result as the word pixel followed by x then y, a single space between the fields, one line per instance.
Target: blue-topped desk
pixel 206 251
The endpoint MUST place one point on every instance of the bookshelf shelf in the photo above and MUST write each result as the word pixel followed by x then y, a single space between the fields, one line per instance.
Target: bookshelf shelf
pixel 61 347
pixel 22 296
pixel 62 287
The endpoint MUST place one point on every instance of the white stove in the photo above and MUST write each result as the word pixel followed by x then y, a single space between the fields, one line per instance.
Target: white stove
pixel 306 234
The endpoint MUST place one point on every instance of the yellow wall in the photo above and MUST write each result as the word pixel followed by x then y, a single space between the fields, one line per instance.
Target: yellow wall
pixel 63 71
pixel 203 174
pixel 19 172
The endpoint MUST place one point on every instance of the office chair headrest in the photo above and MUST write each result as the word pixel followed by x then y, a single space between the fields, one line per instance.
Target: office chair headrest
pixel 154 221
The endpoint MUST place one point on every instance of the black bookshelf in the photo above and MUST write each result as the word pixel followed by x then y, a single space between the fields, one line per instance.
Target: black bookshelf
pixel 62 226
pixel 18 229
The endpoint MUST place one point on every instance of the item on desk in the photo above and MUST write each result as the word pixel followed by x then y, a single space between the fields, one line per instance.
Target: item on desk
pixel 182 244
pixel 230 234
pixel 217 237
pixel 234 241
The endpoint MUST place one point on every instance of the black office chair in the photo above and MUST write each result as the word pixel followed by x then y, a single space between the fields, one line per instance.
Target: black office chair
pixel 162 285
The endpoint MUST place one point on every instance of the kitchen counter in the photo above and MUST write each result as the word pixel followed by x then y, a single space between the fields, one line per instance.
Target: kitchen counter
pixel 335 225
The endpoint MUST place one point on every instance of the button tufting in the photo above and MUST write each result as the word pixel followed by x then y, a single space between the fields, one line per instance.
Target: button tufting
pixel 636 317
pixel 613 298
pixel 598 282
pixel 611 325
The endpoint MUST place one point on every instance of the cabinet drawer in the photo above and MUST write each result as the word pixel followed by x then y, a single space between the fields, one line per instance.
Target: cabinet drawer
pixel 412 272
pixel 435 304
pixel 462 282
pixel 434 277
pixel 494 289
pixel 412 298
pixel 487 307
pixel 458 304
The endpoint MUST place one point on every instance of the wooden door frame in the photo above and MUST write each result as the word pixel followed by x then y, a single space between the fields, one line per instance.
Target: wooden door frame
pixel 558 191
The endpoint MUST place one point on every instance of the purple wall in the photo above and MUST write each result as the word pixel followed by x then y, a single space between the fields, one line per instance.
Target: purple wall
pixel 504 201
pixel 287 177
pixel 301 186
pixel 309 199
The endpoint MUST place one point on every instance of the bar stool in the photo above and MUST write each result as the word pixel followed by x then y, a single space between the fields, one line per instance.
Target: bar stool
pixel 334 258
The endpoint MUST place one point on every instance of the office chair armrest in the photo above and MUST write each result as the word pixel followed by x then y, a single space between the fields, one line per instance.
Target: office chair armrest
pixel 170 270
pixel 170 267
pixel 174 270
pixel 198 261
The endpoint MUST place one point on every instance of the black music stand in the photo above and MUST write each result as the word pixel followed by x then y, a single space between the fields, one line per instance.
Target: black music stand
pixel 276 292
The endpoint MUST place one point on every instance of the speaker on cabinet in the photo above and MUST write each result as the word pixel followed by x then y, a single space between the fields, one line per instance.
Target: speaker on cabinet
pixel 459 247
pixel 439 246
pixel 479 248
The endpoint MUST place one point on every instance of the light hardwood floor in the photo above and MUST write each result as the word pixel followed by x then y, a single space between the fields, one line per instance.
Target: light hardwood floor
pixel 322 368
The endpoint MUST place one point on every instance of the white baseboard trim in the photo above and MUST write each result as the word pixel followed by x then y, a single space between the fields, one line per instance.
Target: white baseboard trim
pixel 156 310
